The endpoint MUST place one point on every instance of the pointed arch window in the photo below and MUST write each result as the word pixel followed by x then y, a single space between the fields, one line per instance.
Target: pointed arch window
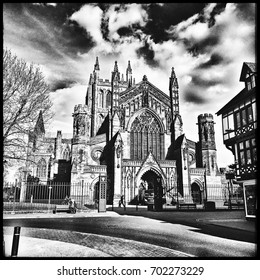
pixel 66 154
pixel 41 168
pixel 146 134
pixel 108 98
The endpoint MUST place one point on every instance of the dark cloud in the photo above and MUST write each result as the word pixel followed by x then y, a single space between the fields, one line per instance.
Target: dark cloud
pixel 148 54
pixel 202 46
pixel 193 96
pixel 61 84
pixel 104 28
pixel 247 11
pixel 75 38
pixel 68 35
pixel 215 59
pixel 203 83
pixel 169 14
pixel 125 31
pixel 218 9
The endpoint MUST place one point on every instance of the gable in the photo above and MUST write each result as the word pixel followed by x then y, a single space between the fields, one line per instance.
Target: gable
pixel 137 91
pixel 247 68
pixel 151 163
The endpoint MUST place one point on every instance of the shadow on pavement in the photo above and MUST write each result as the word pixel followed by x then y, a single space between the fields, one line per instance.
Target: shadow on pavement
pixel 219 223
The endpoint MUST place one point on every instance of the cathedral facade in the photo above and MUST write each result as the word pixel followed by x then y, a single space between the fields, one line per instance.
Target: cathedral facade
pixel 132 133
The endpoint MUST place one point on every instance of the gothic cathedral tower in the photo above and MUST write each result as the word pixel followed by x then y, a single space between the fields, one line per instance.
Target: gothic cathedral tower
pixel 207 143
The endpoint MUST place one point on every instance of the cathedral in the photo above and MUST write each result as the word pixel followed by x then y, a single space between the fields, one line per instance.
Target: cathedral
pixel 131 134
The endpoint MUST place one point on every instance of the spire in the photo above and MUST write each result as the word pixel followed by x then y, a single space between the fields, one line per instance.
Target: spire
pixel 96 66
pixel 129 74
pixel 39 126
pixel 173 80
pixel 115 73
pixel 90 79
pixel 173 73
pixel 174 94
pixel 129 69
pixel 115 67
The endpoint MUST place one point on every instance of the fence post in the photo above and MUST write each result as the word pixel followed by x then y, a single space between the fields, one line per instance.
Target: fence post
pixel 82 185
pixel 15 241
pixel 13 212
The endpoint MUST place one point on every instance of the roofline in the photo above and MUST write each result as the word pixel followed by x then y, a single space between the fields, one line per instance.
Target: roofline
pixel 235 99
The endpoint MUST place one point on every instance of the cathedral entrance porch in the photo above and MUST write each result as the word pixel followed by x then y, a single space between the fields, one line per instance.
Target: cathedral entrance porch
pixel 151 191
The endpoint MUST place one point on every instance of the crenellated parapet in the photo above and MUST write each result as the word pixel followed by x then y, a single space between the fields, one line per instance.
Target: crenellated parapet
pixel 81 109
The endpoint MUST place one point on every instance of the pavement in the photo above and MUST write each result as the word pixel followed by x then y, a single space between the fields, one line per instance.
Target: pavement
pixel 53 243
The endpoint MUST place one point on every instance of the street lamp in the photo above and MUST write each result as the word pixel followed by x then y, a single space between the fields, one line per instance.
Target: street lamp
pixel 49 202
pixel 205 183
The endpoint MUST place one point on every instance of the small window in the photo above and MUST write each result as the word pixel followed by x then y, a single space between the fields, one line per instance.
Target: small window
pixel 225 124
pixel 254 155
pixel 237 116
pixel 242 158
pixel 249 85
pixel 250 114
pixel 253 81
pixel 244 121
pixel 248 157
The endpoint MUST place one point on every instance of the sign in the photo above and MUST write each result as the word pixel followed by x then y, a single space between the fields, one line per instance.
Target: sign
pixel 102 193
pixel 250 199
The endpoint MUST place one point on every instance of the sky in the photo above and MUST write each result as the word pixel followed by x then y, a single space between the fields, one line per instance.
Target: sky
pixel 206 43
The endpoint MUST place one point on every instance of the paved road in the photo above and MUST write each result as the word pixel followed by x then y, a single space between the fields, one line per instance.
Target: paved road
pixel 197 234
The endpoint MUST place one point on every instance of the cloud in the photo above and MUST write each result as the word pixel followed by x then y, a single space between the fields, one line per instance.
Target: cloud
pixel 90 17
pixel 64 101
pixel 124 16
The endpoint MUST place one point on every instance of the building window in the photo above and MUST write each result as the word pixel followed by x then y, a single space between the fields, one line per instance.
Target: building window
pixel 247 152
pixel 250 82
pixel 145 136
pixel 108 99
pixel 244 117
pixel 41 168
pixel 228 126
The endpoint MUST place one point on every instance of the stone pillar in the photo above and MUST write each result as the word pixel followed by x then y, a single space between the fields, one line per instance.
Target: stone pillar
pixel 117 171
pixel 23 186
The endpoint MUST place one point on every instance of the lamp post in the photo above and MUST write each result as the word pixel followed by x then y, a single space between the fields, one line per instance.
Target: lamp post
pixel 49 201
pixel 205 187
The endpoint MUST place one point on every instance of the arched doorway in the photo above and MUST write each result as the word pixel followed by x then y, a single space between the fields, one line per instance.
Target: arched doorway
pixel 196 193
pixel 153 191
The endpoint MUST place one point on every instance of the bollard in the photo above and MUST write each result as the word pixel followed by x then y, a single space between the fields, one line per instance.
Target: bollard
pixel 3 248
pixel 15 241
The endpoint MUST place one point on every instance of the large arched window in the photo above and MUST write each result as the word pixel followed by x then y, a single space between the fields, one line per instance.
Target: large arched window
pixel 41 168
pixel 146 134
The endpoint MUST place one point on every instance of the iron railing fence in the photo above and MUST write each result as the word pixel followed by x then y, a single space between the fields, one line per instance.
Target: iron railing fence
pixel 44 197
pixel 221 195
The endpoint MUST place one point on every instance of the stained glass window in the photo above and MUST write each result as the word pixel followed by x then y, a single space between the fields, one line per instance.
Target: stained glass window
pixel 146 135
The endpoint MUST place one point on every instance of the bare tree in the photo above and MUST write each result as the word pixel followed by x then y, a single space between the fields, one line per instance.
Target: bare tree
pixel 25 93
